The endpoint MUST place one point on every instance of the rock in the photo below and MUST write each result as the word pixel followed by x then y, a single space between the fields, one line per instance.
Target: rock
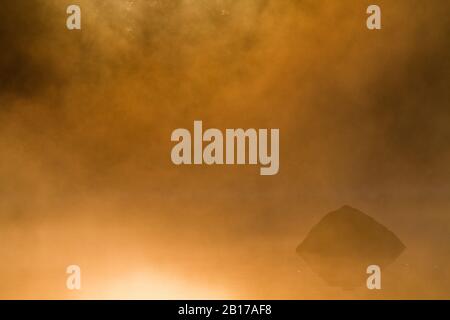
pixel 344 243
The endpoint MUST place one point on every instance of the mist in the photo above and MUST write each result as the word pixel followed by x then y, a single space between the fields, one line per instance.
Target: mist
pixel 85 124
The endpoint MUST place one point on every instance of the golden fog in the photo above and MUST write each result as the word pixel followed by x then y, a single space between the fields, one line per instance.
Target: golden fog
pixel 85 124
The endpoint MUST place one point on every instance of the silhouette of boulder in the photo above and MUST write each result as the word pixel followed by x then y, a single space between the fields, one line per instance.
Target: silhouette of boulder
pixel 344 243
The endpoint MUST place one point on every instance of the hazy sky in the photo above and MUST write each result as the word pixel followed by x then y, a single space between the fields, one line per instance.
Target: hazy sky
pixel 85 124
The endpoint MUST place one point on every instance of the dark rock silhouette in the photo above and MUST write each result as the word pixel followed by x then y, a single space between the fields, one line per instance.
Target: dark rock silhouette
pixel 344 243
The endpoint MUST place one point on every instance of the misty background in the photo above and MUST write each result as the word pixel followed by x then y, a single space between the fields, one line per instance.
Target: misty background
pixel 85 124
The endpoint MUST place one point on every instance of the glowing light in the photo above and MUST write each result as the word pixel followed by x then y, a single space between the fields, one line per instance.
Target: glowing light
pixel 150 286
